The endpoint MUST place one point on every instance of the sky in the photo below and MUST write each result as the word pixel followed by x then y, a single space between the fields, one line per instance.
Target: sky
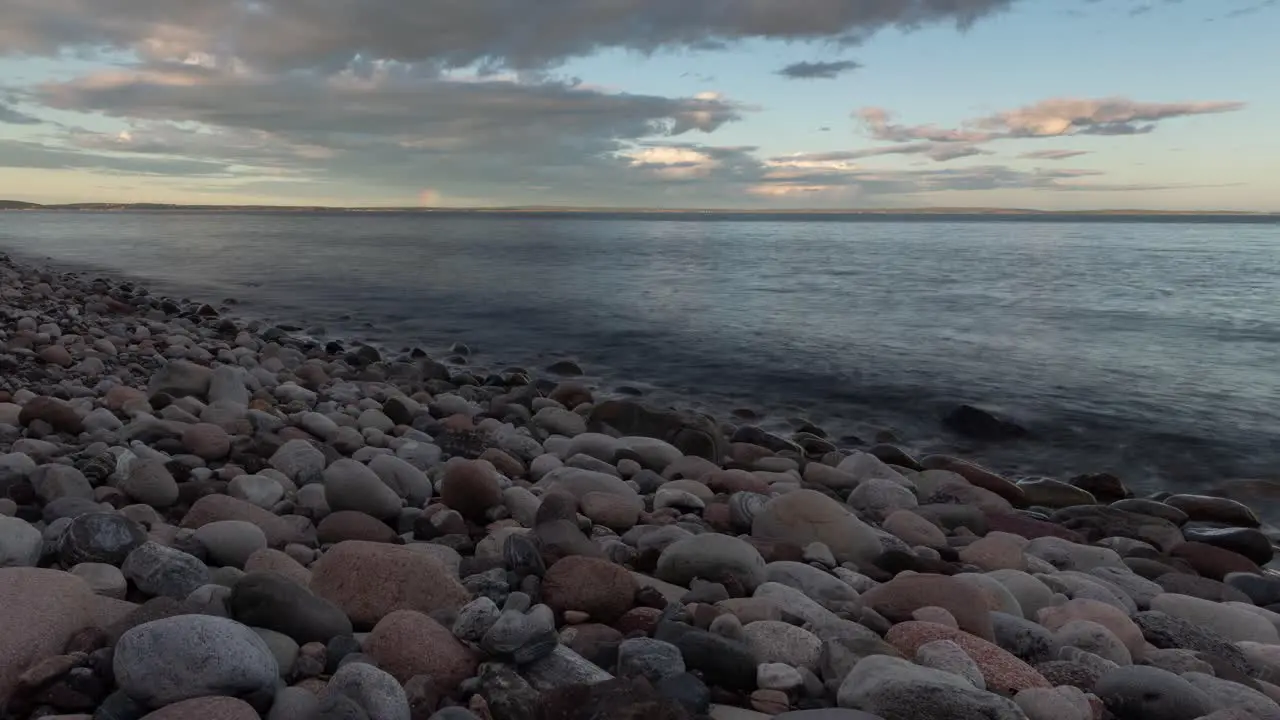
pixel 753 104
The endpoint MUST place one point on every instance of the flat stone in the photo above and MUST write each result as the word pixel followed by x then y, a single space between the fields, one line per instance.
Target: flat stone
pixel 163 571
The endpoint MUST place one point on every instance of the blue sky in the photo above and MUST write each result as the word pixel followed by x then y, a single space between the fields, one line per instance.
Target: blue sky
pixel 1055 104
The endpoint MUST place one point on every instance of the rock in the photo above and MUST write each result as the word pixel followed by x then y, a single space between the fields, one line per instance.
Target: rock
pixel 216 508
pixel 51 482
pixel 878 498
pixel 1066 555
pixel 900 597
pixel 1261 589
pixel 205 708
pixel 270 601
pixel 1248 542
pixel 407 643
pixel 1214 509
pixel 1059 703
pixel 1152 508
pixel 371 690
pixel 1027 640
pixel 948 656
pixel 649 658
pixel 349 485
pixel 779 642
pixel 802 517
pixel 173 659
pixel 996 551
pixel 713 557
pixel 1095 522
pixel 1032 594
pixel 895 689
pixel 612 511
pixel 1110 617
pixel 1146 693
pixel 368 581
pixel 103 579
pixel 231 542
pixel 690 433
pixel 1094 638
pixel 597 587
pixel 406 480
pixel 1002 672
pixel 351 525
pixel 32 631
pixel 777 676
pixel 724 662
pixel 1166 631
pixel 1226 694
pixel 578 482
pixel 163 571
pixel 179 378
pixel 61 416
pixel 1232 623
pixel 818 585
pixel 206 441
pixel 563 668
pixel 1046 492
pixel 470 486
pixel 299 460
pixel 149 482
pixel 623 699
pixel 977 476
pixel 979 424
pixel 20 544
pixel 99 538
pixel 914 530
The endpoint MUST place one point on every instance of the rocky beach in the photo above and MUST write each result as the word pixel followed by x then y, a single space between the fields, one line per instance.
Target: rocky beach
pixel 204 517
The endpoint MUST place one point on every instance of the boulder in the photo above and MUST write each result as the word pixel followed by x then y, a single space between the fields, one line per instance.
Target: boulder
pixel 368 581
pixel 407 643
pixel 802 517
pixel 711 556
pixel 271 601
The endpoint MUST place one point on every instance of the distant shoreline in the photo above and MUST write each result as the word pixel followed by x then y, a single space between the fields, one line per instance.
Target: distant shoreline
pixel 851 215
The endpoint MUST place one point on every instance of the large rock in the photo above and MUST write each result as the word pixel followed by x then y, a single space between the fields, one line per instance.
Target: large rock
pixel 470 486
pixel 164 571
pixel 187 656
pixel 230 542
pixel 60 415
pixel 368 581
pixel 980 424
pixel 205 708
pixel 216 508
pixel 206 441
pixel 1232 623
pixel 406 480
pixel 896 689
pixel 823 587
pixel 99 538
pixel 375 693
pixel 578 482
pixel 1001 670
pixel 20 544
pixel 42 610
pixel 902 596
pixel 349 485
pixel 691 433
pixel 1104 614
pixel 1214 509
pixel 711 556
pixel 407 643
pixel 802 517
pixel 1138 692
pixel 149 482
pixel 179 378
pixel 271 601
pixel 977 476
pixel 300 461
pixel 597 587
pixel 772 641
pixel 57 481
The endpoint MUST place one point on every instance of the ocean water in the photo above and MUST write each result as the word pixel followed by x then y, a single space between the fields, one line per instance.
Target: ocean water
pixel 1149 349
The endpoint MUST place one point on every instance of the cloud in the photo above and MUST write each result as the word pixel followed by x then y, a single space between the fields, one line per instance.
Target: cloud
pixel 818 70
pixel 14 117
pixel 37 156
pixel 941 152
pixel 1056 117
pixel 502 33
pixel 1052 154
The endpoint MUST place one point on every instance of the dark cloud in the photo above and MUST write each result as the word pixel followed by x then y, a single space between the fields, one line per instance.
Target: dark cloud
pixel 310 34
pixel 1052 154
pixel 31 155
pixel 941 152
pixel 818 70
pixel 14 117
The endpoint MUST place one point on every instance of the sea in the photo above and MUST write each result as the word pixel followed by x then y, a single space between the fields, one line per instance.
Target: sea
pixel 1145 347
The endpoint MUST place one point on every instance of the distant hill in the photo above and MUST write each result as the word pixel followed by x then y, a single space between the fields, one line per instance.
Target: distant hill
pixel 16 205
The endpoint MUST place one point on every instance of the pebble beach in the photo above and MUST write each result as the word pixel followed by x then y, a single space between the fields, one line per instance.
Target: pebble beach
pixel 205 517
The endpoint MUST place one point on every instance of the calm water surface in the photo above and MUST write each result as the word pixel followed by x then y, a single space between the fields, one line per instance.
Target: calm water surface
pixel 1149 349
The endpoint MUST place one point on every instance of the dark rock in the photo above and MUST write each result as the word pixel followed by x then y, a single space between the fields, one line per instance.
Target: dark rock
pixel 617 699
pixel 894 455
pixel 58 414
pixel 1030 642
pixel 1073 674
pixel 1214 509
pixel 1095 522
pixel 980 424
pixel 99 538
pixel 508 695
pixel 721 661
pixel 273 602
pixel 1153 508
pixel 1103 486
pixel 1214 562
pixel 521 556
pixel 1201 587
pixel 1263 590
pixel 338 648
pixel 1165 631
pixel 1030 527
pixel 694 434
pixel 688 690
pixel 1149 568
pixel 1249 542
pixel 756 436
pixel 1146 693
pixel 565 368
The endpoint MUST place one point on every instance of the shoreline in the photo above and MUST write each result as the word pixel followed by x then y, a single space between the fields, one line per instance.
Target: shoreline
pixel 204 516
